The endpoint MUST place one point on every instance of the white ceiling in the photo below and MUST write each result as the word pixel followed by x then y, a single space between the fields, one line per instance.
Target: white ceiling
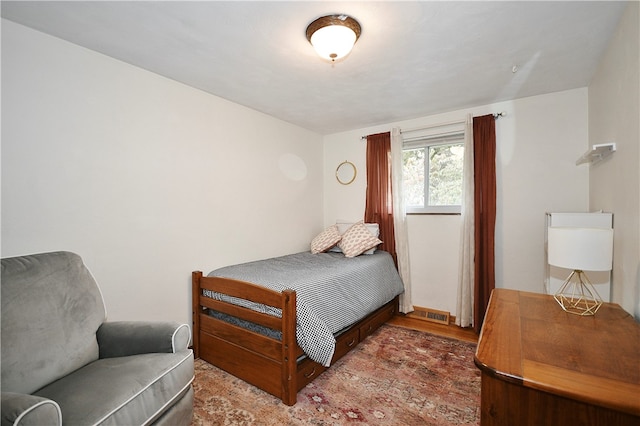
pixel 413 59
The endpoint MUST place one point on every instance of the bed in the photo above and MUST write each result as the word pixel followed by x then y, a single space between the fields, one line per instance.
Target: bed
pixel 279 323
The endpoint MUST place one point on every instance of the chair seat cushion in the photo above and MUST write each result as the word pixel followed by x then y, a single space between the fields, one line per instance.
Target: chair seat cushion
pixel 122 391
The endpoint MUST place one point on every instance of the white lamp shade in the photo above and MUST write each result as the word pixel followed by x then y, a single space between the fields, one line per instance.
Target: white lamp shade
pixel 586 249
pixel 333 41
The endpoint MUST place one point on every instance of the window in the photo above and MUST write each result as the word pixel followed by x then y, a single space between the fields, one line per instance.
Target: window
pixel 432 173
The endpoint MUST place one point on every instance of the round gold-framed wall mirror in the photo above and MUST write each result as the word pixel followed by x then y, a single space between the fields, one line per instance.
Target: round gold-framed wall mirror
pixel 346 172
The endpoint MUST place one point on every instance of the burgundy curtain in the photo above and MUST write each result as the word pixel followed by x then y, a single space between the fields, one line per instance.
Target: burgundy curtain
pixel 379 202
pixel 484 157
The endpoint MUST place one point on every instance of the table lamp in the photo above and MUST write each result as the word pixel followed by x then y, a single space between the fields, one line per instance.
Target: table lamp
pixel 580 249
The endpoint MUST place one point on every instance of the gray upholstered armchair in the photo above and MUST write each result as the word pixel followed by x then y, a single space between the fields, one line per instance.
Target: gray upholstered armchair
pixel 63 364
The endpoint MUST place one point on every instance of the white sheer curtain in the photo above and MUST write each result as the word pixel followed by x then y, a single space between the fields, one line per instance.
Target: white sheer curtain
pixel 400 220
pixel 466 279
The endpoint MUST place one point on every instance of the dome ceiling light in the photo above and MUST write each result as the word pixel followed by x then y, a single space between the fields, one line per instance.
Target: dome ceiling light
pixel 333 36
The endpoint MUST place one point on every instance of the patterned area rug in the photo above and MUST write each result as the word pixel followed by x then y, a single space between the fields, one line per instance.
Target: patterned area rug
pixel 395 377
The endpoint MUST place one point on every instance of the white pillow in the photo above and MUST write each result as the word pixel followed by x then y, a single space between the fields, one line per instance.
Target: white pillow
pixel 374 228
pixel 343 226
pixel 357 239
pixel 325 240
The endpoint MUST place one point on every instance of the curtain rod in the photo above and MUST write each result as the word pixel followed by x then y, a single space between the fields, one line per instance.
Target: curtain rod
pixel 496 115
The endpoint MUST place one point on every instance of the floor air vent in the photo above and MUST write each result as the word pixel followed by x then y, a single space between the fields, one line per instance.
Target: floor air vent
pixel 427 314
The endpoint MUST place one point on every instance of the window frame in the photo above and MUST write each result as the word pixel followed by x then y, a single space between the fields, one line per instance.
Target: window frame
pixel 451 138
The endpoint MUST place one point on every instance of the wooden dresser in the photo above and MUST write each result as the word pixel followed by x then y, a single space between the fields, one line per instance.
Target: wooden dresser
pixel 543 366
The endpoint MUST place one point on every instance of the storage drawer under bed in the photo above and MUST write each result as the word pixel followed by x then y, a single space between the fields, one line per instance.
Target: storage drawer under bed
pixel 372 324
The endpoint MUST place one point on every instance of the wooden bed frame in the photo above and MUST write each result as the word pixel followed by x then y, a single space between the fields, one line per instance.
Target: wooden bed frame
pixel 267 363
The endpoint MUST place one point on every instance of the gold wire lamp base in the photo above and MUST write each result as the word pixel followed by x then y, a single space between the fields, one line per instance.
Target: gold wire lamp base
pixel 578 296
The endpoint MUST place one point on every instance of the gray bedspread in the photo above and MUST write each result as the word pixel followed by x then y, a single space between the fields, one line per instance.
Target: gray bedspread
pixel 332 292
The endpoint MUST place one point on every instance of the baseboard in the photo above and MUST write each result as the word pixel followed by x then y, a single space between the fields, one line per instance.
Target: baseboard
pixel 432 315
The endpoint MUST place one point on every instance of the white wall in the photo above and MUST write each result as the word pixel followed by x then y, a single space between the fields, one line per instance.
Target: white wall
pixel 614 111
pixel 537 145
pixel 146 178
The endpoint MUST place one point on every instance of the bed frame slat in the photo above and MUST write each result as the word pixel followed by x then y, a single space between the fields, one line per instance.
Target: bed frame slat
pixel 242 313
pixel 271 348
pixel 242 290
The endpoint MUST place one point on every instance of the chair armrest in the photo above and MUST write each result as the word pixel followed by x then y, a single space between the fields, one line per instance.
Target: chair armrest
pixel 25 410
pixel 124 338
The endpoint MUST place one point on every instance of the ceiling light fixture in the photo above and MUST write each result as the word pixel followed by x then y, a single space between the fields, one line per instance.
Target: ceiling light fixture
pixel 333 36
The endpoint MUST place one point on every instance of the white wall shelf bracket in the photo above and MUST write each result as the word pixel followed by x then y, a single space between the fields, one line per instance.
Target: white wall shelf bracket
pixel 597 153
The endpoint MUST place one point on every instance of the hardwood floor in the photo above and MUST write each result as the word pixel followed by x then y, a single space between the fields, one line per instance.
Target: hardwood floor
pixel 451 330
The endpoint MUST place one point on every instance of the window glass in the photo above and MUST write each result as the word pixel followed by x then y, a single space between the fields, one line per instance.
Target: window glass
pixel 432 174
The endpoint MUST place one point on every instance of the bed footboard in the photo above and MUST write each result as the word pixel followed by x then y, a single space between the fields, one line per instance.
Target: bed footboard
pixel 265 362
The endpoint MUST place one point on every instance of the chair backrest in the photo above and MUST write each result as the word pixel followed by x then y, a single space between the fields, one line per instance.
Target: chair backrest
pixel 51 310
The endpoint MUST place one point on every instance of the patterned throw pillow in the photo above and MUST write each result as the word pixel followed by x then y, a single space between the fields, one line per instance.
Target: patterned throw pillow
pixel 357 240
pixel 343 227
pixel 325 240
